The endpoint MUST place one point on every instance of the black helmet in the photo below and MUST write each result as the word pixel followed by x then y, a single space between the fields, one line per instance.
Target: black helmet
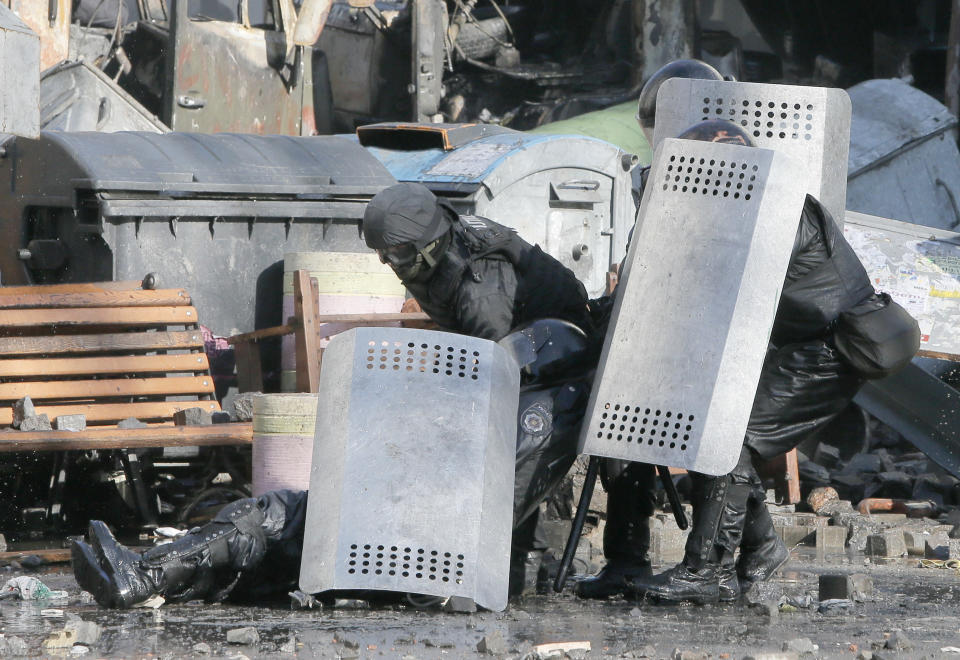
pixel 405 224
pixel 647 106
pixel 718 130
pixel 550 350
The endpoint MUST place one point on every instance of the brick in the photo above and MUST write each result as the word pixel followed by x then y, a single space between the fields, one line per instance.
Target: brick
pixel 36 423
pixel 916 542
pixel 831 539
pixel 192 417
pixel 667 545
pixel 71 422
pixel 797 534
pixel 939 546
pixel 838 586
pixel 887 544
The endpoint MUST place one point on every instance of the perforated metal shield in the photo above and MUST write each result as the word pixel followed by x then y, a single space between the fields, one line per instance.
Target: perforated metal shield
pixel 411 486
pixel 811 124
pixel 695 307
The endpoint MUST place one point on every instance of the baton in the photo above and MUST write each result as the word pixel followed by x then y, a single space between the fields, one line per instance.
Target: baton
pixel 593 467
pixel 678 513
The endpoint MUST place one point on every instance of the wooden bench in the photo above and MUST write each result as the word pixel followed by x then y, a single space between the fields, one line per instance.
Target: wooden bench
pixel 108 351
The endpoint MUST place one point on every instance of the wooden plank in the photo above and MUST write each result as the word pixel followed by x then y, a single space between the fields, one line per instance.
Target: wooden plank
pixel 256 335
pixel 82 366
pixel 156 436
pixel 373 319
pixel 137 298
pixel 114 412
pixel 785 472
pixel 48 555
pixel 307 344
pixel 81 287
pixel 249 370
pixel 120 341
pixel 953 357
pixel 99 316
pixel 88 389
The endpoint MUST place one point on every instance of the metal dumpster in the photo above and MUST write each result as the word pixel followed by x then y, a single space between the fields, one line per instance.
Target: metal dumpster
pixel 569 193
pixel 211 213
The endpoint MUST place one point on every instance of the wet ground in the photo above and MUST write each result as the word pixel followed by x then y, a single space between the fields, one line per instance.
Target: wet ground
pixel 922 603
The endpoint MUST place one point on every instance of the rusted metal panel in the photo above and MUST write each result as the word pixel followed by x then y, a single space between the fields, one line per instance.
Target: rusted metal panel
pixel 19 76
pixel 231 77
pixel 50 19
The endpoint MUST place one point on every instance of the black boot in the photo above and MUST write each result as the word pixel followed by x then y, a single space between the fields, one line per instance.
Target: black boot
pixel 626 536
pixel 762 551
pixel 696 579
pixel 729 536
pixel 205 563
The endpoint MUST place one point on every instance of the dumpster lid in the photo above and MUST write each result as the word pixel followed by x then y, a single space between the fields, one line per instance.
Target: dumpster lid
pixel 195 163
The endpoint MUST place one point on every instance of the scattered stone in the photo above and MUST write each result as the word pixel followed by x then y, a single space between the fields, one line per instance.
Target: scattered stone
pixel 812 473
pixel 202 648
pixel 87 632
pixel 560 649
pixel 831 539
pixel 289 647
pixel 888 544
pixel 439 645
pixel 192 417
pixel 819 497
pixel 243 407
pixel 220 417
pixel 849 486
pixel 460 605
pixel 246 635
pixel 36 423
pixel 61 639
pixel 71 422
pixel 348 642
pixel 916 541
pixel 890 484
pixel 836 508
pixel 898 641
pixel 768 608
pixel 131 423
pixel 835 606
pixel 79 649
pixel 679 654
pixel 936 546
pixel 302 601
pixel 23 409
pixel 865 655
pixel 800 645
pixel 955 532
pixel 493 644
pixel 827 455
pixel 11 646
pixel 350 604
pixel 636 611
pixel 861 463
pixel 805 602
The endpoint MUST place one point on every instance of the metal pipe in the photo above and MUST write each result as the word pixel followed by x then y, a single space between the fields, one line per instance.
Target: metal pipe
pixel 583 505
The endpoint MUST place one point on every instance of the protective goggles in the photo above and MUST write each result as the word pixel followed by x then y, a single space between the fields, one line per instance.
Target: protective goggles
pixel 398 256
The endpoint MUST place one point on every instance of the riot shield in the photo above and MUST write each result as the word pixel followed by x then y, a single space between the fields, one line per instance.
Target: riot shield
pixel 810 124
pixel 695 306
pixel 411 486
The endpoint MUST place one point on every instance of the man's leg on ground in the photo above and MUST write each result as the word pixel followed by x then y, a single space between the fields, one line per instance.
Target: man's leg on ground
pixel 626 537
pixel 208 562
